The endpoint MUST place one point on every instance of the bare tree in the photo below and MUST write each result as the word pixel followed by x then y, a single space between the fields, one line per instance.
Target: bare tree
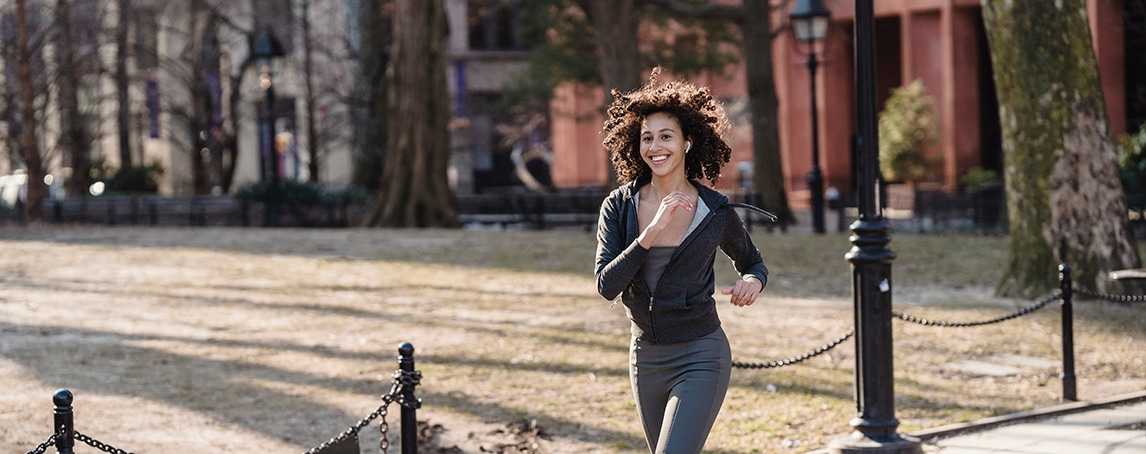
pixel 375 38
pixel 415 191
pixel 123 106
pixel 30 151
pixel 310 96
pixel 74 138
pixel 1064 198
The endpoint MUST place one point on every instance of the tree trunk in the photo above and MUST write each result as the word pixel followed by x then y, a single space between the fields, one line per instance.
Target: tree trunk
pixel 415 190
pixel 73 140
pixel 123 113
pixel 370 128
pixel 1064 199
pixel 29 142
pixel 615 24
pixel 768 177
pixel 312 140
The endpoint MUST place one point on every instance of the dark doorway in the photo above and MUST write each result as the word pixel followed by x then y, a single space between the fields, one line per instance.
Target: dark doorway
pixel 1134 33
pixel 990 131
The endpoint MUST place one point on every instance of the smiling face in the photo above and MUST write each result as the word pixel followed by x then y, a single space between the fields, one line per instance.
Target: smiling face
pixel 663 144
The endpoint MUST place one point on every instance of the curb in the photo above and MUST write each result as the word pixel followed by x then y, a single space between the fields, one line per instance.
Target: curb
pixel 1028 416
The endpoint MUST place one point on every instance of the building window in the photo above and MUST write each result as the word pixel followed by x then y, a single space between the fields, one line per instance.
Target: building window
pixel 492 25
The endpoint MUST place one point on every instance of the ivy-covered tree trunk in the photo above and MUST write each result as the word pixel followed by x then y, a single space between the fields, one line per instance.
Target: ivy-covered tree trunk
pixel 1064 198
pixel 415 191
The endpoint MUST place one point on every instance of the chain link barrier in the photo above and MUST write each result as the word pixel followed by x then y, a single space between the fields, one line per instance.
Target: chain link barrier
pixel 1054 296
pixel 1110 297
pixel 796 359
pixel 98 445
pixel 51 441
pixel 401 380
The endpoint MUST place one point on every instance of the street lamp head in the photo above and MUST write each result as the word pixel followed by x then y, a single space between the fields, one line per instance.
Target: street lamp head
pixel 809 19
pixel 267 48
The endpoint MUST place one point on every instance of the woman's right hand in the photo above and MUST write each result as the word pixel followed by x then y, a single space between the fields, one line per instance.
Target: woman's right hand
pixel 672 202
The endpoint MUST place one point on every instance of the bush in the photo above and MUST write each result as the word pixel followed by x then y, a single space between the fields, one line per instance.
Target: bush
pixel 907 125
pixel 131 179
pixel 978 178
pixel 302 193
pixel 1132 167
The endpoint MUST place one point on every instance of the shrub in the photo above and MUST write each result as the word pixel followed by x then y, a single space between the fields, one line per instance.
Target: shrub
pixel 302 193
pixel 1132 166
pixel 978 178
pixel 142 179
pixel 907 125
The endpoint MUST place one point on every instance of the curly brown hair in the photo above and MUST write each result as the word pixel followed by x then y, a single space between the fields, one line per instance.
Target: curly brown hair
pixel 701 118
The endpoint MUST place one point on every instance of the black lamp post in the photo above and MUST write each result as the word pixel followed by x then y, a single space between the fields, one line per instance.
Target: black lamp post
pixel 267 50
pixel 810 19
pixel 870 257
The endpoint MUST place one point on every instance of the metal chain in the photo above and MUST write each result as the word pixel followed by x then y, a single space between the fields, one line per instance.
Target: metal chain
pixel 1112 298
pixel 98 445
pixel 44 446
pixel 401 380
pixel 796 359
pixel 380 412
pixel 1054 296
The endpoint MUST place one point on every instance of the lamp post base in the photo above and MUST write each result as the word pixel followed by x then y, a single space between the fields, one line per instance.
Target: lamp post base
pixel 859 443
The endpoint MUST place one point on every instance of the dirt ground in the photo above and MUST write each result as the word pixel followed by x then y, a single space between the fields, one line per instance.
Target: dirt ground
pixel 232 340
pixel 171 349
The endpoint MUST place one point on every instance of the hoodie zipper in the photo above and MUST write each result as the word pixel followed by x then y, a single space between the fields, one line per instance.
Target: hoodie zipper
pixel 652 324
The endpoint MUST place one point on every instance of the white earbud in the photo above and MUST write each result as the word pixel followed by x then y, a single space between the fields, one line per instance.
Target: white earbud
pixel 687 146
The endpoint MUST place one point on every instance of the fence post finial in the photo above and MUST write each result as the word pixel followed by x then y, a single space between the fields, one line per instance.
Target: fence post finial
pixel 64 423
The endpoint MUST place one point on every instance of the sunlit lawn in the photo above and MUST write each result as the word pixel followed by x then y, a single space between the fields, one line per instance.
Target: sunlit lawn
pixel 508 326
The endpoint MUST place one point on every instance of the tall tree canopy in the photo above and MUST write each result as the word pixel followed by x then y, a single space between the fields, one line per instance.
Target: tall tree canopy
pixel 1064 198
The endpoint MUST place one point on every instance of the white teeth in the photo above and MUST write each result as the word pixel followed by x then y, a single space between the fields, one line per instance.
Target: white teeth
pixel 659 159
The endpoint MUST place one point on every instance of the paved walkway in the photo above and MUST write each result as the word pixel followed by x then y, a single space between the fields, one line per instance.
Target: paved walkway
pixel 1115 425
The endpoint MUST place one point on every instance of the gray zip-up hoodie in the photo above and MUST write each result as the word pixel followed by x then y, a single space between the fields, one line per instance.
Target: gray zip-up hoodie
pixel 683 306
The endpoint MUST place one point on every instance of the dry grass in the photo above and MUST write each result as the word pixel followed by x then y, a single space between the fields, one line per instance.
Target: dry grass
pixel 231 340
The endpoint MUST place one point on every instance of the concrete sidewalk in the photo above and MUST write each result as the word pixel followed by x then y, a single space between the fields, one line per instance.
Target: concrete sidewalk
pixel 1115 425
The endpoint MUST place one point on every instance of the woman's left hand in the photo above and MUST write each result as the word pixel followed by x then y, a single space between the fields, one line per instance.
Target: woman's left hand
pixel 744 292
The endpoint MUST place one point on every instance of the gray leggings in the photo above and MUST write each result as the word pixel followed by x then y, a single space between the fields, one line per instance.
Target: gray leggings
pixel 679 389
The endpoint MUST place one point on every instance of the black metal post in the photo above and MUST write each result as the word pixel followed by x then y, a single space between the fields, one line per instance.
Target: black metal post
pixel 870 258
pixel 1068 379
pixel 64 423
pixel 410 402
pixel 815 178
